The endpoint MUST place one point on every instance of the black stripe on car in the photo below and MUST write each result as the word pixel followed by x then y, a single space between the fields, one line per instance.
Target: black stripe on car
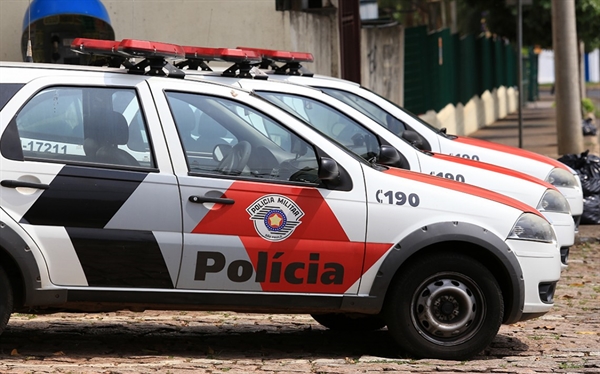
pixel 120 258
pixel 83 197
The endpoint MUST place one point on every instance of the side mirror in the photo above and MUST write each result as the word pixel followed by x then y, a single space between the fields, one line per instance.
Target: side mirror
pixel 221 151
pixel 388 155
pixel 413 138
pixel 328 169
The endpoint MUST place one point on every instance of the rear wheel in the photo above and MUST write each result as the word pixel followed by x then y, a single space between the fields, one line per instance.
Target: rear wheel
pixel 446 306
pixel 6 300
pixel 350 322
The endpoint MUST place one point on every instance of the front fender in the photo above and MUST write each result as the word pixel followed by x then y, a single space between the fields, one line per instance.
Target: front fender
pixel 481 244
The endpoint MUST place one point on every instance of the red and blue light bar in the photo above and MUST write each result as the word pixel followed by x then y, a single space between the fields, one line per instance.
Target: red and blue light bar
pixel 153 53
pixel 149 49
pixel 95 46
pixel 221 54
pixel 281 56
pixel 292 61
pixel 127 48
pixel 242 60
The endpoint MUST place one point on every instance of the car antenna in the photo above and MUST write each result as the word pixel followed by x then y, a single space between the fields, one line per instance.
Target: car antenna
pixel 29 53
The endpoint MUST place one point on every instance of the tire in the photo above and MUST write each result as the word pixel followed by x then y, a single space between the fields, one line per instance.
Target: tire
pixel 444 306
pixel 6 300
pixel 350 322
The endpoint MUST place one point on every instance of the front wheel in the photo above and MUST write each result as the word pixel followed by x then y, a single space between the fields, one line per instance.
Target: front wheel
pixel 6 300
pixel 444 306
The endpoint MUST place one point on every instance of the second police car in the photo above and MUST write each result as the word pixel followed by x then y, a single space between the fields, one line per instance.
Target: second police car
pixel 105 207
pixel 365 137
pixel 427 137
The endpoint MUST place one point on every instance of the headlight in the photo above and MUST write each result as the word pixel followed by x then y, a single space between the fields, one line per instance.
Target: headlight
pixel 561 178
pixel 532 227
pixel 553 201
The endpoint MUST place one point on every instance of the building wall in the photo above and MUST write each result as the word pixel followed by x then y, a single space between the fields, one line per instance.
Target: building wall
pixel 233 23
pixel 209 23
pixel 11 23
pixel 382 64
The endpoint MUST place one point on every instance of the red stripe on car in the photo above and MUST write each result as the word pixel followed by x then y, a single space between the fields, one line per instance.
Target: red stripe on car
pixel 462 187
pixel 494 168
pixel 512 150
pixel 317 257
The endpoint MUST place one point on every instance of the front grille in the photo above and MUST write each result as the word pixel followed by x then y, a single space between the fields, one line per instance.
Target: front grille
pixel 547 292
pixel 564 255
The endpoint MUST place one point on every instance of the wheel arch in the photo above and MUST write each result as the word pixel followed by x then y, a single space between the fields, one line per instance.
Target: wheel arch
pixel 16 260
pixel 14 275
pixel 20 265
pixel 458 237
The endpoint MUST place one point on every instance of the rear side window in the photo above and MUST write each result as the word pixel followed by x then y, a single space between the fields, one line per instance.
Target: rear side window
pixel 7 91
pixel 103 126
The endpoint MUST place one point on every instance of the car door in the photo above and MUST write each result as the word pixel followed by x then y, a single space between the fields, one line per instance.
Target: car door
pixel 259 219
pixel 82 164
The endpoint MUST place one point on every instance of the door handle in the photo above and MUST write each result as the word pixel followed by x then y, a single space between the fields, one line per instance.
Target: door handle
pixel 15 184
pixel 208 199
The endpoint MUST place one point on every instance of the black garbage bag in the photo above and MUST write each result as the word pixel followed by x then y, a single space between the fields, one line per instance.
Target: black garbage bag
pixel 588 168
pixel 588 127
pixel 574 161
pixel 591 210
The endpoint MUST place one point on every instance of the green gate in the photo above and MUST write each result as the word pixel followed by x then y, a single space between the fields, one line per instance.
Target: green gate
pixel 441 68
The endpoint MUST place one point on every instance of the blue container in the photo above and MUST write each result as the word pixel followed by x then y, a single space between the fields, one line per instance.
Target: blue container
pixel 53 24
pixel 46 8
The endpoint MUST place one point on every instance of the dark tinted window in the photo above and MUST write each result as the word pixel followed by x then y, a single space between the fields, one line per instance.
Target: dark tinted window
pixel 85 124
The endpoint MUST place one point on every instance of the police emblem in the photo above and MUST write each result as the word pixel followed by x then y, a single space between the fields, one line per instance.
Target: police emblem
pixel 275 217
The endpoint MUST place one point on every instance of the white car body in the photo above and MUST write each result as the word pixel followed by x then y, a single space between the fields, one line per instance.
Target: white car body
pixel 520 186
pixel 284 221
pixel 524 161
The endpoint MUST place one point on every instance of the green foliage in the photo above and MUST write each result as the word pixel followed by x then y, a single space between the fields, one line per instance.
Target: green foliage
pixel 501 19
pixel 494 16
pixel 408 12
pixel 587 105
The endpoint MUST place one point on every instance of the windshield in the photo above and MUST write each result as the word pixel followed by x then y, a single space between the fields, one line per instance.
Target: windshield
pixel 375 112
pixel 329 122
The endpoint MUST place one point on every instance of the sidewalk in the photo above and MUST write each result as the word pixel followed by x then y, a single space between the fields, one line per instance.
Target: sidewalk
pixel 539 135
pixel 539 129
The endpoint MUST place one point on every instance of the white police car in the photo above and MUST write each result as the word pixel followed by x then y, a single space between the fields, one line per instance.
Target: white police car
pixel 106 204
pixel 424 135
pixel 365 137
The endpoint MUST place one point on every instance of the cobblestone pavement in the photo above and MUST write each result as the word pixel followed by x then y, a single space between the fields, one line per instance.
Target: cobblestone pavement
pixel 566 340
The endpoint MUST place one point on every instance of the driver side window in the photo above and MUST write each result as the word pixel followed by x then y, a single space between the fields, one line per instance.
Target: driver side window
pixel 222 136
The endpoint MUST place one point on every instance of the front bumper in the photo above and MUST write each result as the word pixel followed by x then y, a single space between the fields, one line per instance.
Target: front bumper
pixel 564 228
pixel 541 266
pixel 574 196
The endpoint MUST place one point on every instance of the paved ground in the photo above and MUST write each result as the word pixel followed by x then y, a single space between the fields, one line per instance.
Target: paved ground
pixel 566 340
pixel 539 127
